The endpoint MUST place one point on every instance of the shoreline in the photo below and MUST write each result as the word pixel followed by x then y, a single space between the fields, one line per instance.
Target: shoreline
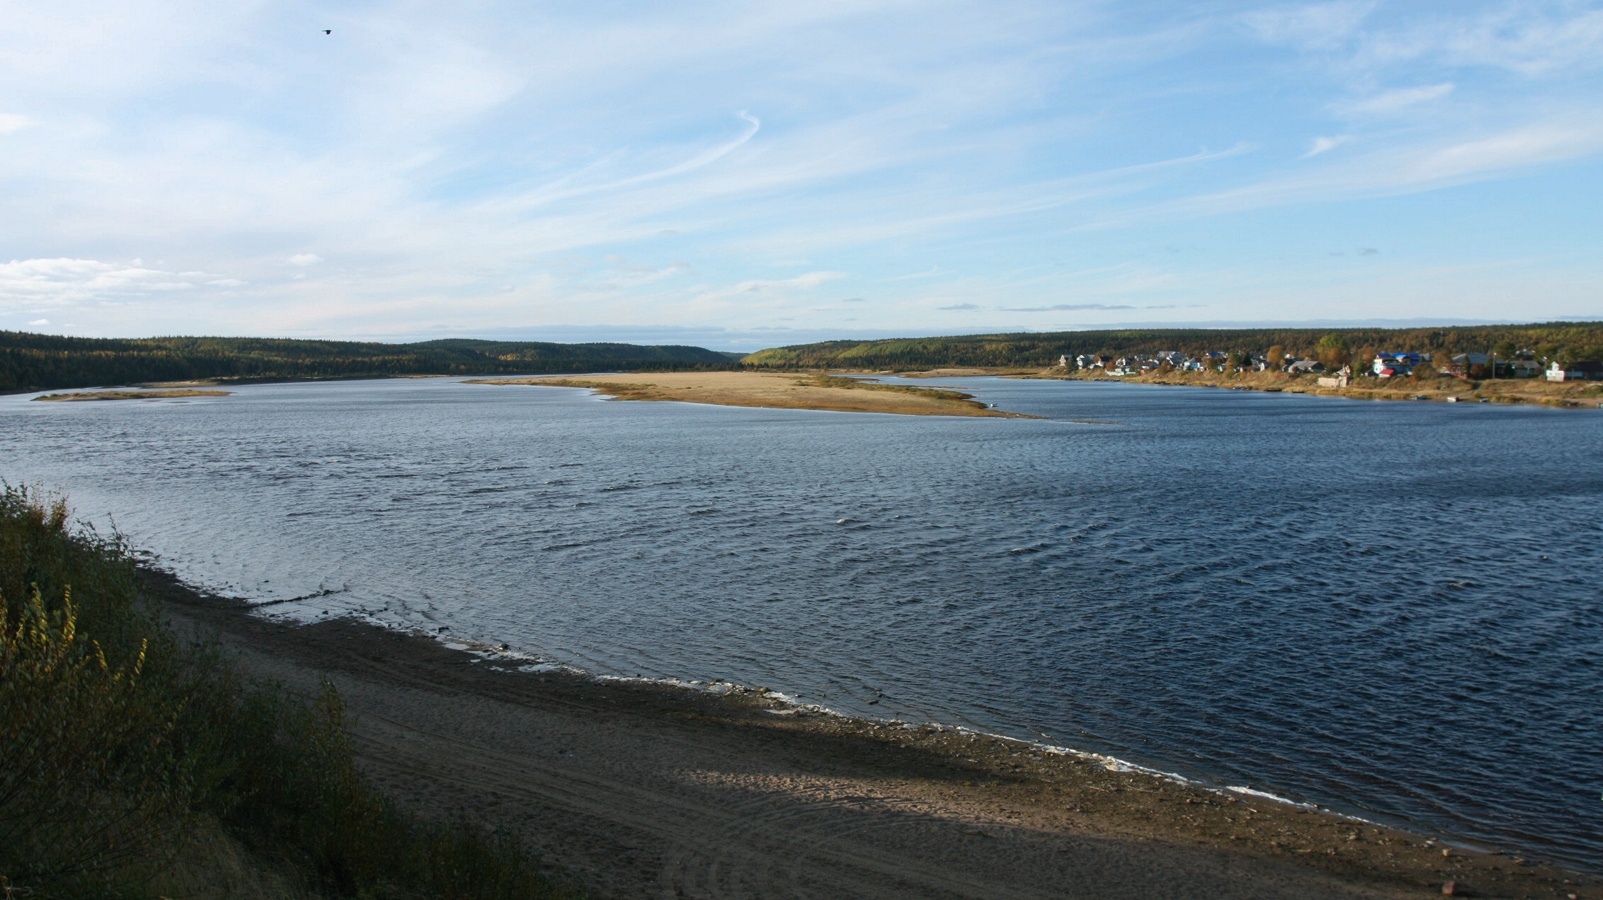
pixel 770 390
pixel 642 787
pixel 153 394
pixel 1522 392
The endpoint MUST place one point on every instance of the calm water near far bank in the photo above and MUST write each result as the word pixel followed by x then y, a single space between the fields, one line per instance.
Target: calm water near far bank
pixel 1391 609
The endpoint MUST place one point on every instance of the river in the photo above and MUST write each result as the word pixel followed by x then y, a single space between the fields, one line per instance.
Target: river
pixel 1393 610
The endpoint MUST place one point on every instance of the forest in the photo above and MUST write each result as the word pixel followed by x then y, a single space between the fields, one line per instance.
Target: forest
pixel 1568 341
pixel 38 362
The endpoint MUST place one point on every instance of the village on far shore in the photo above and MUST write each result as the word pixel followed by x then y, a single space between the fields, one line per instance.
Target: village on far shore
pixel 1504 375
pixel 1384 365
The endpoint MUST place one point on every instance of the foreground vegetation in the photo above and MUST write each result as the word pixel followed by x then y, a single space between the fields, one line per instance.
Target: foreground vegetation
pixel 134 764
pixel 1568 340
pixel 39 362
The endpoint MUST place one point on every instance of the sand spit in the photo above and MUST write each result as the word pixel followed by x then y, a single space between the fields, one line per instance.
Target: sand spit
pixel 642 789
pixel 133 395
pixel 772 390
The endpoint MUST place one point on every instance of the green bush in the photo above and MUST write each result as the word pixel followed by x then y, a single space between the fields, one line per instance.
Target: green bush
pixel 91 789
pixel 119 746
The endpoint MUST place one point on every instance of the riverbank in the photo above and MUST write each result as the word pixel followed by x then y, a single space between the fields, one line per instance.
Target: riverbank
pixel 1530 391
pixel 771 390
pixel 645 789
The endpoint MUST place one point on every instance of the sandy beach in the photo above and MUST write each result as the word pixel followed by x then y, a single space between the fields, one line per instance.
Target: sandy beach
pixel 639 789
pixel 771 390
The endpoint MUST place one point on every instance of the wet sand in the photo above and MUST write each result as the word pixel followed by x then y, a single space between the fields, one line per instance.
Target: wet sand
pixel 646 790
pixel 771 390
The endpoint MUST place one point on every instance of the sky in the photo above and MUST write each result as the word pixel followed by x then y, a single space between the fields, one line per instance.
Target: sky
pixel 739 175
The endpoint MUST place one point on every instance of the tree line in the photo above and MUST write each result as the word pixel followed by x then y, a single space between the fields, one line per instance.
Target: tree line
pixel 38 362
pixel 1565 341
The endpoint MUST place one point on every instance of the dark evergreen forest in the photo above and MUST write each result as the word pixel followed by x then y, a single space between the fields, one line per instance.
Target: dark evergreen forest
pixel 38 362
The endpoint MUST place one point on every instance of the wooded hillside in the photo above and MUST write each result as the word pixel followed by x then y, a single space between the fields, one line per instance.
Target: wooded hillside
pixel 1566 340
pixel 37 362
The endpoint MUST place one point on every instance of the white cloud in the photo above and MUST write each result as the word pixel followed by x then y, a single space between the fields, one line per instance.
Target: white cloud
pixel 1388 102
pixel 69 282
pixel 39 322
pixel 1427 165
pixel 11 122
pixel 770 288
pixel 1514 149
pixel 1523 39
pixel 1312 25
pixel 1324 144
pixel 304 259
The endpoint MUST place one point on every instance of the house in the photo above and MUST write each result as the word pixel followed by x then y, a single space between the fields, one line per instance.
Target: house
pixel 1342 379
pixel 1392 365
pixel 1519 368
pixel 1584 370
pixel 1305 367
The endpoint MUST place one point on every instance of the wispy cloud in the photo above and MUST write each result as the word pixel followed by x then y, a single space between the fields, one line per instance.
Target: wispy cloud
pixel 1428 165
pixel 1395 100
pixel 1519 148
pixel 34 283
pixel 1066 307
pixel 12 122
pixel 767 290
pixel 1325 144
pixel 1531 38
pixel 1313 25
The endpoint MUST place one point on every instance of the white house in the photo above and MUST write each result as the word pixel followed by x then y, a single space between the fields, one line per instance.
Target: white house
pixel 1585 370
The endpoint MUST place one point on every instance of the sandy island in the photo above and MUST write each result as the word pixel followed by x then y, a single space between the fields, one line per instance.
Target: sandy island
pixel 133 395
pixel 639 789
pixel 772 390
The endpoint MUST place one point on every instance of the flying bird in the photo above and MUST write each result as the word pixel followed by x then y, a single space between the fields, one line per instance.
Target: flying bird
pixel 328 31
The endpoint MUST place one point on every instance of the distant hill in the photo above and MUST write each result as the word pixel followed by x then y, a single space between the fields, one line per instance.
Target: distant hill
pixel 1568 340
pixel 37 362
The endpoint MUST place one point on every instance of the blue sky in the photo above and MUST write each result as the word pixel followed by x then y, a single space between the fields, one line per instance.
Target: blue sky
pixel 741 175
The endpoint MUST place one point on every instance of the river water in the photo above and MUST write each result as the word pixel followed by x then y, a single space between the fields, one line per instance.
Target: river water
pixel 1394 610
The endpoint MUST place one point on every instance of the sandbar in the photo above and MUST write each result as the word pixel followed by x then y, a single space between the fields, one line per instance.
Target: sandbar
pixel 772 390
pixel 132 395
pixel 642 789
